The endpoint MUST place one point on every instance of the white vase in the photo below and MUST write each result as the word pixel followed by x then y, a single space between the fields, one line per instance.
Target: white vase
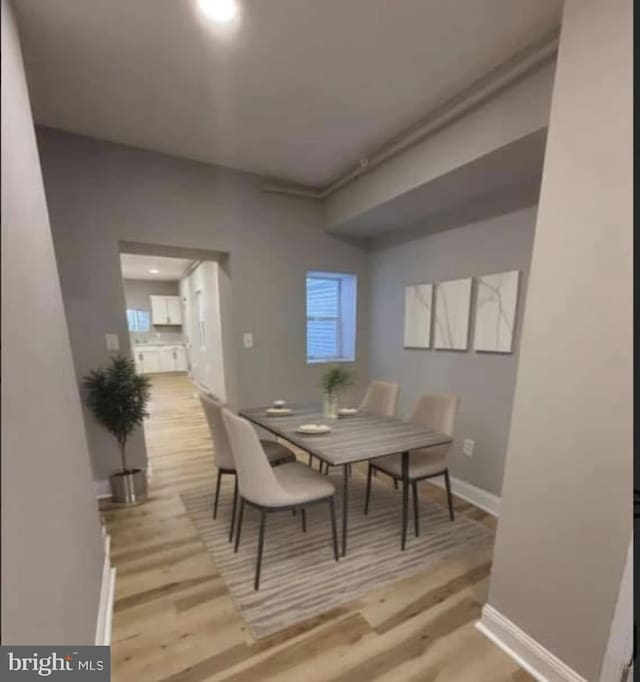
pixel 330 406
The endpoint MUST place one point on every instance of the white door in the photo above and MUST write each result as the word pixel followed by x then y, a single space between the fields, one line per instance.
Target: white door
pixel 167 359
pixel 181 359
pixel 174 310
pixel 159 310
pixel 150 361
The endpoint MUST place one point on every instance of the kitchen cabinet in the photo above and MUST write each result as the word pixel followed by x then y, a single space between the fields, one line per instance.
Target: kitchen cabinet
pixel 149 360
pixel 166 310
pixel 159 359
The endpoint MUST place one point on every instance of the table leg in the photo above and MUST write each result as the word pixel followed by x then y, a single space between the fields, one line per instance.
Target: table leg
pixel 405 496
pixel 345 507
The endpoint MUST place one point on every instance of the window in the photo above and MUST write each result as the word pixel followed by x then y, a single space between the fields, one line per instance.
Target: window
pixel 331 316
pixel 138 320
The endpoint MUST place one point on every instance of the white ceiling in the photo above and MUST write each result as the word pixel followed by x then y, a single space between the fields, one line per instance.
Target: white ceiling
pixel 137 267
pixel 298 90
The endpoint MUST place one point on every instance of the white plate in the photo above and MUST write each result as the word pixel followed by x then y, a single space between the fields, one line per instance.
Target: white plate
pixel 313 428
pixel 278 411
pixel 347 411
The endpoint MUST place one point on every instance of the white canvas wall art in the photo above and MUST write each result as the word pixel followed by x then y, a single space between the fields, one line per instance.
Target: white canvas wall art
pixel 417 315
pixel 496 302
pixel 453 299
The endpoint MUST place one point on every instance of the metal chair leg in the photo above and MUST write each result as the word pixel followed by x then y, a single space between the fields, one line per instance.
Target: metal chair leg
pixel 215 503
pixel 239 528
pixel 449 497
pixel 233 511
pixel 405 497
pixel 263 518
pixel 304 519
pixel 414 485
pixel 370 472
pixel 334 530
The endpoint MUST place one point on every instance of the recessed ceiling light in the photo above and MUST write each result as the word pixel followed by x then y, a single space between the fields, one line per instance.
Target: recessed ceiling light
pixel 154 271
pixel 219 10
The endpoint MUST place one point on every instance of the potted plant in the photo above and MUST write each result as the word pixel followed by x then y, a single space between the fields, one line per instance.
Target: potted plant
pixel 334 381
pixel 118 398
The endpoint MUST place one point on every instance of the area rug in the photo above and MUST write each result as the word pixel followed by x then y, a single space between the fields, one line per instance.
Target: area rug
pixel 300 577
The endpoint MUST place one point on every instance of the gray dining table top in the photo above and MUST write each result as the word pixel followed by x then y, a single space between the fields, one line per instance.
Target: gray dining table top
pixel 352 438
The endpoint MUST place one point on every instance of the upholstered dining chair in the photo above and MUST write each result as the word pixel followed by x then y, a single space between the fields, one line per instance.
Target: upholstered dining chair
pixel 288 487
pixel 437 412
pixel 380 399
pixel 276 453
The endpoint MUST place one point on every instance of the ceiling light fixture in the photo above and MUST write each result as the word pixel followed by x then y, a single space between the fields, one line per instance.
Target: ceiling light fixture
pixel 221 11
pixel 154 271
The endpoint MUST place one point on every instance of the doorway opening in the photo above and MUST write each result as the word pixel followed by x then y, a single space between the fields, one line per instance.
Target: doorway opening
pixel 174 319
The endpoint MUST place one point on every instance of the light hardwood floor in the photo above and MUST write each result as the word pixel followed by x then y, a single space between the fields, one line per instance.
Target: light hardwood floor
pixel 174 620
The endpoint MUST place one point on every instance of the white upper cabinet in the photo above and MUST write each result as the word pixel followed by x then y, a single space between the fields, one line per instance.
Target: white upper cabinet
pixel 166 310
pixel 174 309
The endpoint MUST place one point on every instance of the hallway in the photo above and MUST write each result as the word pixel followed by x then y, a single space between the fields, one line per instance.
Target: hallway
pixel 174 620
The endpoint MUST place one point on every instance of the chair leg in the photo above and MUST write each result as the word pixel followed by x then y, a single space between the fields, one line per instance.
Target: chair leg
pixel 414 485
pixel 311 460
pixel 350 470
pixel 263 519
pixel 405 497
pixel 334 530
pixel 449 498
pixel 239 528
pixel 370 472
pixel 395 483
pixel 233 511
pixel 304 519
pixel 215 503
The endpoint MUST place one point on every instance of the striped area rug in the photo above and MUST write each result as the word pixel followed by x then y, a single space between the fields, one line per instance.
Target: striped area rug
pixel 300 577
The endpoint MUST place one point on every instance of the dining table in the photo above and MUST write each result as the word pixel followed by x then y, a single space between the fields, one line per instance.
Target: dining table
pixel 356 437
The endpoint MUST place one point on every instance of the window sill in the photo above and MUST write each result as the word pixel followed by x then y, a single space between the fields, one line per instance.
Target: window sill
pixel 329 361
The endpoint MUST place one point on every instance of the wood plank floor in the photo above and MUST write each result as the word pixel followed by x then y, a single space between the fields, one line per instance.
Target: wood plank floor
pixel 174 620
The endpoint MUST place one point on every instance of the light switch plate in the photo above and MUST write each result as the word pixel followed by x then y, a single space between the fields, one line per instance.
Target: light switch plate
pixel 467 447
pixel 247 340
pixel 112 341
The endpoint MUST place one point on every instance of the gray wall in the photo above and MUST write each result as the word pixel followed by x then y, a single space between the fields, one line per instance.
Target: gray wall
pixel 567 497
pixel 52 551
pixel 100 193
pixel 136 295
pixel 484 381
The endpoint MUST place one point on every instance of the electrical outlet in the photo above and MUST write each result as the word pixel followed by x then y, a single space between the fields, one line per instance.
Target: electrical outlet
pixel 467 446
pixel 247 340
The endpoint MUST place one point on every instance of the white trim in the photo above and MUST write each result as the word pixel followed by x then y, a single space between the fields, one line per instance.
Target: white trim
pixel 102 489
pixel 476 496
pixel 107 595
pixel 620 646
pixel 526 651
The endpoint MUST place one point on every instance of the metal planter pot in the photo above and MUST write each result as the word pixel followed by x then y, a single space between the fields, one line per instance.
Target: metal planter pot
pixel 129 487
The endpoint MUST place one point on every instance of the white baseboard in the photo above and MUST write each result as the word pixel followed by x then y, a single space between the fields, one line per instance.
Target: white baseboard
pixel 529 654
pixel 107 595
pixel 620 646
pixel 102 489
pixel 476 496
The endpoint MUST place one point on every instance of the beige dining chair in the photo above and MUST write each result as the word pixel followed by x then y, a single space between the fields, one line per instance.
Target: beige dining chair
pixel 276 453
pixel 380 399
pixel 288 487
pixel 436 412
